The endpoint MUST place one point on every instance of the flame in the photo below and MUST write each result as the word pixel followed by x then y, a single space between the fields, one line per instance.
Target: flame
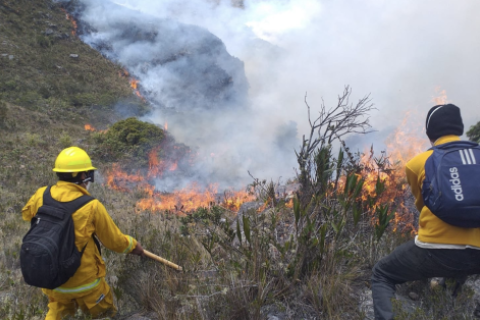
pixel 184 200
pixel 123 73
pixel 120 180
pixel 165 127
pixel 73 21
pixel 89 127
pixel 180 201
pixel 441 96
pixel 404 143
pixel 134 85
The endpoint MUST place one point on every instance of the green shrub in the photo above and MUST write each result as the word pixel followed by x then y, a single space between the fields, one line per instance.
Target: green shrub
pixel 10 85
pixel 83 99
pixel 65 140
pixel 28 99
pixel 33 139
pixel 474 133
pixel 129 137
pixel 44 41
pixel 132 131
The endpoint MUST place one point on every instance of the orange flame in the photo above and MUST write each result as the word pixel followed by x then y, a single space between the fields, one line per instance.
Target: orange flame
pixel 73 21
pixel 122 181
pixel 180 201
pixel 134 85
pixel 407 140
pixel 441 96
pixel 89 127
pixel 123 73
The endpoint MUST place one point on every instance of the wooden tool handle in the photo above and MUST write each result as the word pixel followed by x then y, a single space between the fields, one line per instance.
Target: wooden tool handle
pixel 164 261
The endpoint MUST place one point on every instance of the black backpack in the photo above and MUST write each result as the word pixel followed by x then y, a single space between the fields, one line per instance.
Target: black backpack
pixel 48 256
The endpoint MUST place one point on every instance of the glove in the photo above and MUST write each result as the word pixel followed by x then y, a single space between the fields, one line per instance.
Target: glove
pixel 138 250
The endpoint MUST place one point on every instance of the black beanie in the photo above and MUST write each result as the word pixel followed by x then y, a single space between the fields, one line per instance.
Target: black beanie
pixel 443 120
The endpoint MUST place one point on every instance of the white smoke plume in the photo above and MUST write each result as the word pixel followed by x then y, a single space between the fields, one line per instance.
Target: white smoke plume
pixel 400 52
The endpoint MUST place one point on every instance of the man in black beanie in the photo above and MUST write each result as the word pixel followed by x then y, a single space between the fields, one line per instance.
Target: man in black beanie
pixel 439 249
pixel 444 120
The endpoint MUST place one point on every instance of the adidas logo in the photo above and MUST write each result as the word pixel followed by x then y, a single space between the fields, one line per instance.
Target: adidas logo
pixel 467 156
pixel 456 184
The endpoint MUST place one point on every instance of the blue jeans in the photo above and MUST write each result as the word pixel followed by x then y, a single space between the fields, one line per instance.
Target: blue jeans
pixel 409 262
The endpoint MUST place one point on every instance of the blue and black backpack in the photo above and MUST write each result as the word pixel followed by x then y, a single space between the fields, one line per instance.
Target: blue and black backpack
pixel 451 189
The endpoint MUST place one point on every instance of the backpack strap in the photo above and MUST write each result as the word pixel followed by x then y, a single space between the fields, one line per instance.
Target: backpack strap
pixel 70 207
pixel 456 145
pixel 97 243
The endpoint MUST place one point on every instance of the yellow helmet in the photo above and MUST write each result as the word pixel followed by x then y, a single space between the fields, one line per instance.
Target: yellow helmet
pixel 73 159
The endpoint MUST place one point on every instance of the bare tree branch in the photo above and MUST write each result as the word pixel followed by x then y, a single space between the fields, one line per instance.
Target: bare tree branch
pixel 330 125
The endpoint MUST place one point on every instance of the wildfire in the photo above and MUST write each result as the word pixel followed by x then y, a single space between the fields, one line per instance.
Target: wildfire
pixel 134 85
pixel 123 73
pixel 441 96
pixel 89 127
pixel 405 142
pixel 180 201
pixel 120 180
pixel 73 21
pixel 173 167
pixel 191 198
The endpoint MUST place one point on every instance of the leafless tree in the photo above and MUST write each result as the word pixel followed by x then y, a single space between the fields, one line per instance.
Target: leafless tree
pixel 330 125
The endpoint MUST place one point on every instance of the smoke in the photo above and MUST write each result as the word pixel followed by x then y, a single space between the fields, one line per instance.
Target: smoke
pixel 399 52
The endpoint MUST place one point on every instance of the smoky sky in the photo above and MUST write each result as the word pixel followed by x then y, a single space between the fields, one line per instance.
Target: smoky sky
pixel 402 53
pixel 399 51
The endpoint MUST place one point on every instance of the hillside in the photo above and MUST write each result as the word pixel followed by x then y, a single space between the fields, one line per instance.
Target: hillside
pixel 51 85
pixel 300 255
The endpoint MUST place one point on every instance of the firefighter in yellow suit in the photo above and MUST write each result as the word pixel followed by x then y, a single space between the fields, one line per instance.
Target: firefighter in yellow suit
pixel 87 288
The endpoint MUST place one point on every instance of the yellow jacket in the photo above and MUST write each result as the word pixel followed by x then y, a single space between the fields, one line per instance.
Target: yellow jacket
pixel 91 218
pixel 431 229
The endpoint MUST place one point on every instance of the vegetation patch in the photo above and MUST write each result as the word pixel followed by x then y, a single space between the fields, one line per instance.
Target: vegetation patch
pixel 129 138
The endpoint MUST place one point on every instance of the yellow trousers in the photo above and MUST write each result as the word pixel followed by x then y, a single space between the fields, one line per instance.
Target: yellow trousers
pixel 97 302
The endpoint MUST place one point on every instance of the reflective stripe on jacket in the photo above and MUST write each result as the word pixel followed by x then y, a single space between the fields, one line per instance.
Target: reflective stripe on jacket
pixel 431 229
pixel 91 218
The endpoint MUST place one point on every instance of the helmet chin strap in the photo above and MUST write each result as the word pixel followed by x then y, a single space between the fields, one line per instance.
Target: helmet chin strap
pixel 87 181
pixel 90 177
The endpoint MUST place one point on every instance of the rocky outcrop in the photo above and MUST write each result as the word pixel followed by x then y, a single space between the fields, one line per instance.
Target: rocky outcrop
pixel 179 66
